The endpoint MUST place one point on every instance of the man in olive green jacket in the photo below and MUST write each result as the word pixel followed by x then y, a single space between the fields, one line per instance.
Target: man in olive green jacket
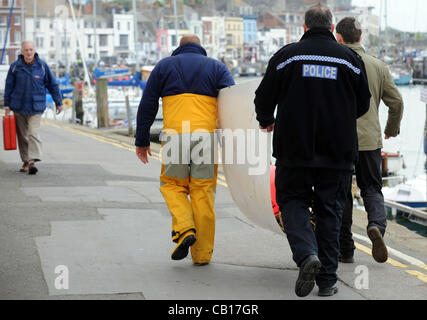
pixel 368 167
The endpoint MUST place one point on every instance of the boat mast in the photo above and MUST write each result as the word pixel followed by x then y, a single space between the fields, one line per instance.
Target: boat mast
pixel 95 46
pixel 67 67
pixel 386 24
pixel 22 20
pixel 135 34
pixel 34 21
pixel 82 49
pixel 7 31
pixel 176 21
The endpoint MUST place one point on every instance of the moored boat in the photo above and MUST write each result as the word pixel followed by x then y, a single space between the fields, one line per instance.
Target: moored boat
pixel 412 193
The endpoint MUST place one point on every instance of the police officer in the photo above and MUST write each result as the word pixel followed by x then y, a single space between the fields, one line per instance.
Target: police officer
pixel 320 88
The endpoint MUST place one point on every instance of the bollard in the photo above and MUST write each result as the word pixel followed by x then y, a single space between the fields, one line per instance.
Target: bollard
pixel 130 128
pixel 102 102
pixel 78 102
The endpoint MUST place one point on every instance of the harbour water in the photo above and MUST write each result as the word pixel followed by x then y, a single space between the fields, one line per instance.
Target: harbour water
pixel 410 143
pixel 411 138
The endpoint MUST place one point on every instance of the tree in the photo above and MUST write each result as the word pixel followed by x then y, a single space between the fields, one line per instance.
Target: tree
pixel 126 4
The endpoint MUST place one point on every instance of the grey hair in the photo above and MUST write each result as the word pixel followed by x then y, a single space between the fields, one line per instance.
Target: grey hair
pixel 318 16
pixel 25 42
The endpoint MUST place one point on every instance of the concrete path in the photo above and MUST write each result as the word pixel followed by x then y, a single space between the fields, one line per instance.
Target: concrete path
pixel 94 216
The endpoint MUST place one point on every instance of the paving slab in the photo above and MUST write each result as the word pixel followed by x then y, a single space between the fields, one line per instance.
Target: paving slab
pixel 128 251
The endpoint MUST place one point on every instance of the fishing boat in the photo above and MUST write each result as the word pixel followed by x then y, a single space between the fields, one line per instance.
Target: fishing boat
pixel 408 200
pixel 392 163
pixel 402 79
pixel 401 76
pixel 412 193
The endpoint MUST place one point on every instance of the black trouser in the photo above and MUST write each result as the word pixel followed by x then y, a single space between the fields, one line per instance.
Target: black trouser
pixel 324 190
pixel 369 180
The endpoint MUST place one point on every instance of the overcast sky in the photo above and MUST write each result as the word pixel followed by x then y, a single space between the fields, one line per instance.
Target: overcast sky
pixel 406 15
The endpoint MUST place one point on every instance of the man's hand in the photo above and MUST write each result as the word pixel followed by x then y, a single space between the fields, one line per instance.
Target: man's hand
pixel 269 129
pixel 7 111
pixel 58 109
pixel 142 153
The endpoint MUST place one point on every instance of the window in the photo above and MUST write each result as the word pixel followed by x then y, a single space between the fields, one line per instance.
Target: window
pixel 118 25
pixel 18 37
pixel 52 42
pixel 40 42
pixel 3 20
pixel 17 20
pixel 124 40
pixel 37 24
pixel 65 42
pixel 103 40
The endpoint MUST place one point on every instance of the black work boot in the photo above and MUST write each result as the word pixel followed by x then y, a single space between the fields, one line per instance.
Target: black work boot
pixel 346 258
pixel 307 276
pixel 379 249
pixel 181 250
pixel 328 292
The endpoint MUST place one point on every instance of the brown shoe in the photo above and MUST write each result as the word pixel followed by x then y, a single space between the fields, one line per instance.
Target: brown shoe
pixel 25 167
pixel 379 249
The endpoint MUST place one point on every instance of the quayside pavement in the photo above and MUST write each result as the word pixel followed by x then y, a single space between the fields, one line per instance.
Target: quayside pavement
pixel 92 224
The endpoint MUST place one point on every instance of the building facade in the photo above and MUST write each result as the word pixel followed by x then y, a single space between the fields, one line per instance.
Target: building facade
pixel 234 37
pixel 250 37
pixel 270 41
pixel 124 39
pixel 213 38
pixel 15 32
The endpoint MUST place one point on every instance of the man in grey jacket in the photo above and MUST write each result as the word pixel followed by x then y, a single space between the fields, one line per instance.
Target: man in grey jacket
pixel 368 167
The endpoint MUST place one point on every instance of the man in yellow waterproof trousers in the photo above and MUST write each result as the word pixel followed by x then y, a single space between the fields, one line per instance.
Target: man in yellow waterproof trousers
pixel 188 83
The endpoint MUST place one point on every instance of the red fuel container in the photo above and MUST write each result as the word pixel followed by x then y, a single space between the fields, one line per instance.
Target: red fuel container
pixel 9 132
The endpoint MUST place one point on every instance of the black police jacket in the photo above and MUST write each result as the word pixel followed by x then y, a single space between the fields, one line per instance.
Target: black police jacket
pixel 320 88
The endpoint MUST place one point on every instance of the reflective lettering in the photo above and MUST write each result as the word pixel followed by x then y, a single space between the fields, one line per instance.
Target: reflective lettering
pixel 318 71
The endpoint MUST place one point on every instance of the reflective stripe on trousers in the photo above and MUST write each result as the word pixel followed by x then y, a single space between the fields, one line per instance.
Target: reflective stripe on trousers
pixel 188 186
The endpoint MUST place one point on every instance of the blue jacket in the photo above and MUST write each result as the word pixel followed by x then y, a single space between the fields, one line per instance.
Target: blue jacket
pixel 26 86
pixel 187 71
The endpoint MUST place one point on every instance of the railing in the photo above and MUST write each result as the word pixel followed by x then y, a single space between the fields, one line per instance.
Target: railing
pixel 122 48
pixel 419 80
pixel 412 211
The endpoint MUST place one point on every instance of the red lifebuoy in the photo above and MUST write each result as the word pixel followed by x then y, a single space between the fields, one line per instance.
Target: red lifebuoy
pixel 273 191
